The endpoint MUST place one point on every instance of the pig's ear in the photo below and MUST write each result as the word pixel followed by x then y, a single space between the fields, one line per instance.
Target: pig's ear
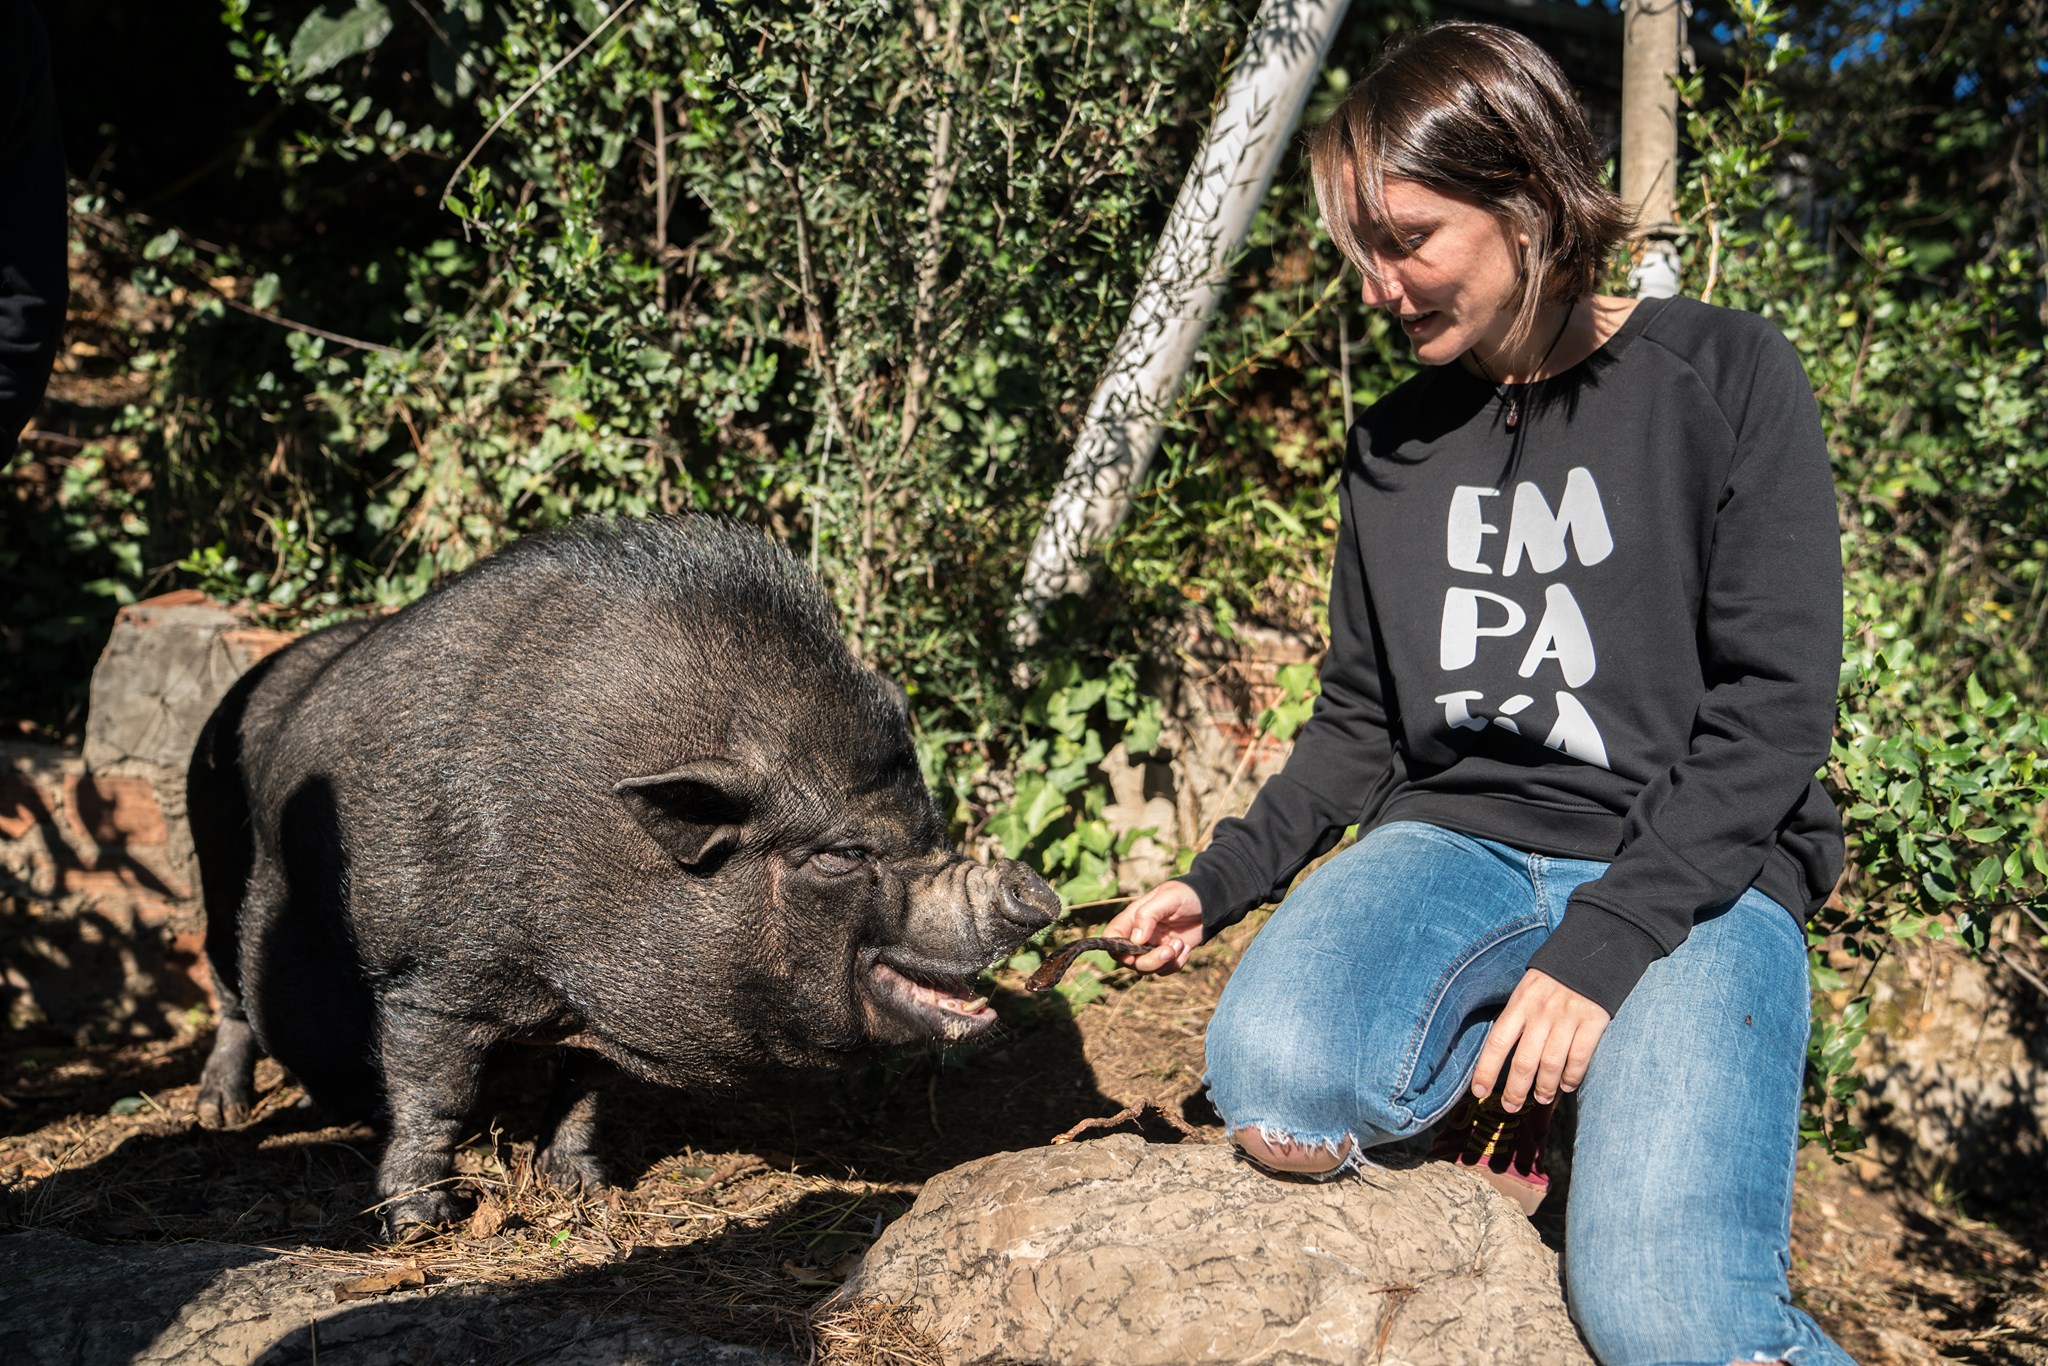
pixel 893 690
pixel 694 811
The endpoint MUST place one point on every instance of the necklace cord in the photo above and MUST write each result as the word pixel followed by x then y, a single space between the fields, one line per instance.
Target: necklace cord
pixel 1500 388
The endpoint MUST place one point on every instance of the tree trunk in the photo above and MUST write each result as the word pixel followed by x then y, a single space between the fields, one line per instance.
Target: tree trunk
pixel 1652 34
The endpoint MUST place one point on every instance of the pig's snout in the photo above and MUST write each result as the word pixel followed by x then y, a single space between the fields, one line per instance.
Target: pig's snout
pixel 1023 899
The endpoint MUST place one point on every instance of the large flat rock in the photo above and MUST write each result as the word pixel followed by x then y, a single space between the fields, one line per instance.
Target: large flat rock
pixel 1119 1251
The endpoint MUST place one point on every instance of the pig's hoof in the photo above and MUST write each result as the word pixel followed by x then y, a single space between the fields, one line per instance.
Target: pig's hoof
pixel 227 1084
pixel 223 1104
pixel 571 1169
pixel 419 1215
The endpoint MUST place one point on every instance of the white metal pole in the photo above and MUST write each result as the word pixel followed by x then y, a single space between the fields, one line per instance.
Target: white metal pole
pixel 1262 100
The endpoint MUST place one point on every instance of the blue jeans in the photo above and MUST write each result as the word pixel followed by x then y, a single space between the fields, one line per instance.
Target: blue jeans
pixel 1359 1010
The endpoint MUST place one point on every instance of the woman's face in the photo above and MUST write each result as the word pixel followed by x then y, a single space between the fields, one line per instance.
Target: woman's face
pixel 1450 271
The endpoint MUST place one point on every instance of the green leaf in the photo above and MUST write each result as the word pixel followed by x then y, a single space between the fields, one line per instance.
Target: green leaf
pixel 333 33
pixel 1985 834
pixel 1141 733
pixel 1298 680
pixel 1080 991
pixel 1039 804
pixel 1985 876
pixel 589 13
pixel 1092 881
pixel 1978 697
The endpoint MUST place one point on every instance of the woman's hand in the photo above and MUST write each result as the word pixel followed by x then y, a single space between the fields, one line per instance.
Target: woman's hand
pixel 1169 917
pixel 1551 1031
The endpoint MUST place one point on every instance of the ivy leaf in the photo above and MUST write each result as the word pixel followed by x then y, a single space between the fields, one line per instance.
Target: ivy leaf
pixel 333 33
pixel 1141 735
pixel 1038 804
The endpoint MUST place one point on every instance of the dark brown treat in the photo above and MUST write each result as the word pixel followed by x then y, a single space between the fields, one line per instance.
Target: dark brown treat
pixel 1052 969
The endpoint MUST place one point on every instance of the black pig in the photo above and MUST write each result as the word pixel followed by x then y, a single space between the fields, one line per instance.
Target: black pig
pixel 622 789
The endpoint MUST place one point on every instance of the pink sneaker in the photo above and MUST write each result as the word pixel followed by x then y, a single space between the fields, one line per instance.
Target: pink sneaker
pixel 1503 1149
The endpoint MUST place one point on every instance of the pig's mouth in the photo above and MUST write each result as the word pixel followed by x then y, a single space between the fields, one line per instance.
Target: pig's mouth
pixel 933 1000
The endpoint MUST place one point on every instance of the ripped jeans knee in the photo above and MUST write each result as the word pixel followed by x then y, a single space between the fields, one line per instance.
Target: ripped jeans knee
pixel 1305 1121
pixel 1294 1104
pixel 1321 1158
pixel 1296 1099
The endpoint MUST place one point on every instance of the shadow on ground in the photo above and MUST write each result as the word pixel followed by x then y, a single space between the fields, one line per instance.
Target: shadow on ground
pixel 732 1218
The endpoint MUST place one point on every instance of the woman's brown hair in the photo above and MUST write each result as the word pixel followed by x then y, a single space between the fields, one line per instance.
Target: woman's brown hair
pixel 1479 111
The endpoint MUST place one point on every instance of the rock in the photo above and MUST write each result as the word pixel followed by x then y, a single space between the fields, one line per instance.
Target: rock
pixel 1957 1093
pixel 1119 1251
pixel 164 667
pixel 1141 799
pixel 1219 754
pixel 64 1302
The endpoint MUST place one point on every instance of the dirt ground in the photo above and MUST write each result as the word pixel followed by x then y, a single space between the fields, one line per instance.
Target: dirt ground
pixel 733 1218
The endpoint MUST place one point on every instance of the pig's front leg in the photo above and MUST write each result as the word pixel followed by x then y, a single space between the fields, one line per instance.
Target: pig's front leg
pixel 431 1064
pixel 567 1151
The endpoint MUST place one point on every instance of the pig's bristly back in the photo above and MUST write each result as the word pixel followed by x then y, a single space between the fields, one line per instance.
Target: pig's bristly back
pixel 613 648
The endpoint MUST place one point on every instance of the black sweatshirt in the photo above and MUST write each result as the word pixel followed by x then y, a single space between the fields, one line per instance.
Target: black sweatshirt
pixel 32 223
pixel 1612 632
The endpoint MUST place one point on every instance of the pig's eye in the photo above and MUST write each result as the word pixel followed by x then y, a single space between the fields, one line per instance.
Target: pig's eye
pixel 839 861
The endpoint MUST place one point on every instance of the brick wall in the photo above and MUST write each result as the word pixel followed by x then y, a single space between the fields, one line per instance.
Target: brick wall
pixel 100 923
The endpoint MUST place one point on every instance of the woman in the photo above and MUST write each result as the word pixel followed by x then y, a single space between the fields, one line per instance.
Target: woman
pixel 1585 626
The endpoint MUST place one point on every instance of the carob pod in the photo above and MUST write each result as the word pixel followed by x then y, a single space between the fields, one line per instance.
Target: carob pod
pixel 1052 969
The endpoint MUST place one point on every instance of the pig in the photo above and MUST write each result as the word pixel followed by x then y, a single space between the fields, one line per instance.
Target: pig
pixel 622 790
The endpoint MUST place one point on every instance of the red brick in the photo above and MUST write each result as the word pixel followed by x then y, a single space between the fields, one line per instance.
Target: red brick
pixel 116 811
pixel 177 597
pixel 22 806
pixel 187 954
pixel 250 644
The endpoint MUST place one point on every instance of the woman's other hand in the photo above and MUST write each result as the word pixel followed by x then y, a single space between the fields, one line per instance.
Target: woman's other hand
pixel 1169 918
pixel 1551 1032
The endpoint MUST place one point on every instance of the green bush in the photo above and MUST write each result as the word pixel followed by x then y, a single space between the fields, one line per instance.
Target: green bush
pixel 848 274
pixel 1931 393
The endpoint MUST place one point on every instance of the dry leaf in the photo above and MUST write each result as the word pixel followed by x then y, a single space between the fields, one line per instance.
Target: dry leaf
pixel 488 1221
pixel 380 1283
